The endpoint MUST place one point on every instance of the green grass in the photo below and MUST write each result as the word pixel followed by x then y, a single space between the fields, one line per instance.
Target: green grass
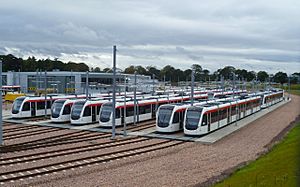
pixel 280 167
pixel 295 92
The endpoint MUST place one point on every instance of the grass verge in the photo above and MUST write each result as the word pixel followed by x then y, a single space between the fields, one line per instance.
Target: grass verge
pixel 280 167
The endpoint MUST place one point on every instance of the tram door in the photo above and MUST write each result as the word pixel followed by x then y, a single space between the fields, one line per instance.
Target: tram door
pixel 122 116
pixel 33 109
pixel 181 119
pixel 153 108
pixel 228 114
pixel 208 121
pixel 239 111
pixel 94 113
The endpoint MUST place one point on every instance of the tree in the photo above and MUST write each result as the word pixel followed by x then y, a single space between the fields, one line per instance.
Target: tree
pixel 187 74
pixel 107 70
pixel 206 74
pixel 251 75
pixel 168 71
pixel 241 73
pixel 262 76
pixel 198 71
pixel 295 78
pixel 227 72
pixel 280 77
pixel 140 70
pixel 130 70
pixel 153 70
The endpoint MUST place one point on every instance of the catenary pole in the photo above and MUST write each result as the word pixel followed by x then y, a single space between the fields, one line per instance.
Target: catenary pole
pixel 192 87
pixel 87 85
pixel 1 123
pixel 45 93
pixel 153 76
pixel 125 128
pixel 134 100
pixel 114 94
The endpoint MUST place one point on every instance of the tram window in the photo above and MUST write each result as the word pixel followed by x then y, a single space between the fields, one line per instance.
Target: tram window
pixel 147 109
pixel 98 109
pixel 233 110
pixel 204 120
pixel 176 117
pixel 40 105
pixel 67 110
pixel 214 117
pixel 142 110
pixel 48 104
pixel 26 106
pixel 87 111
pixel 129 111
pixel 122 112
pixel 118 114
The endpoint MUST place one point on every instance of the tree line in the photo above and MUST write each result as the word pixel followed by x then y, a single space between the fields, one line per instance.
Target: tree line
pixel 167 73
pixel 12 63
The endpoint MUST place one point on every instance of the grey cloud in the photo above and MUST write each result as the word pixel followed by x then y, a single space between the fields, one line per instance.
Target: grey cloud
pixel 175 28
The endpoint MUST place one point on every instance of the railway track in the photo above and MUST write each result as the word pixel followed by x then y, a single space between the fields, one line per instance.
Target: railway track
pixel 21 128
pixel 68 138
pixel 68 151
pixel 141 126
pixel 45 169
pixel 30 133
pixel 48 140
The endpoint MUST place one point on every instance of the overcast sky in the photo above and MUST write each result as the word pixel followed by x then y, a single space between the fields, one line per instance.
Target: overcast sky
pixel 255 35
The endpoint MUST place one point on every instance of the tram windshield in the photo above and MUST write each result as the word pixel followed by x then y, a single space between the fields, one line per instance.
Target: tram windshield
pixel 164 116
pixel 192 118
pixel 56 108
pixel 17 105
pixel 76 110
pixel 106 112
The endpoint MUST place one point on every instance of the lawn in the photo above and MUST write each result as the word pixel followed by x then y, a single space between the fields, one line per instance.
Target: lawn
pixel 280 167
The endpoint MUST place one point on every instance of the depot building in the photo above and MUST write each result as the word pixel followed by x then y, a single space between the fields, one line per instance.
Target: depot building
pixel 75 82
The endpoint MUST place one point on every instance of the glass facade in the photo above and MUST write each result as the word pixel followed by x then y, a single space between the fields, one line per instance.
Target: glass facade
pixel 55 84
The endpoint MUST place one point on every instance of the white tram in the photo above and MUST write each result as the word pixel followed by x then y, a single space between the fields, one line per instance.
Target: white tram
pixel 32 106
pixel 86 111
pixel 200 120
pixel 272 98
pixel 146 109
pixel 61 110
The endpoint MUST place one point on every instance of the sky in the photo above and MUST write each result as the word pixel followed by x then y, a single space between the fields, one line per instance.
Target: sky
pixel 254 35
